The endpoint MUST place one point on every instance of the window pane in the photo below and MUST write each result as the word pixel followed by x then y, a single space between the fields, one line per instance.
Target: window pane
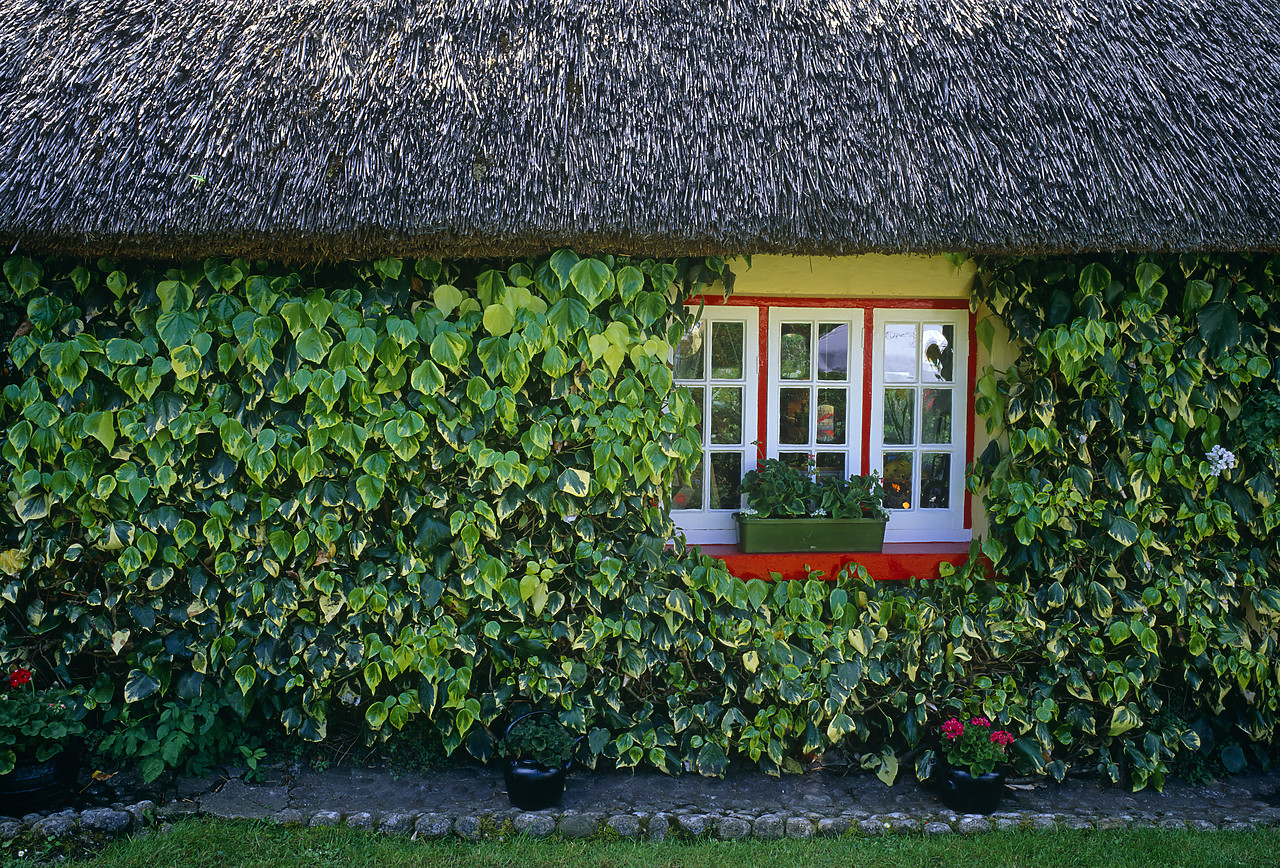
pixel 831 464
pixel 935 416
pixel 726 350
pixel 695 392
pixel 726 414
pixel 935 480
pixel 832 412
pixel 726 480
pixel 798 460
pixel 897 479
pixel 686 489
pixel 688 364
pixel 899 416
pixel 833 351
pixel 900 353
pixel 794 362
pixel 794 427
pixel 937 359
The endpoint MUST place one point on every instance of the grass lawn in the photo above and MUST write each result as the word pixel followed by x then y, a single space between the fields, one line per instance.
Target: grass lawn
pixel 221 844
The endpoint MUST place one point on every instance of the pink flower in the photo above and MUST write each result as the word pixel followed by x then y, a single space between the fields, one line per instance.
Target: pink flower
pixel 980 721
pixel 953 729
pixel 1001 737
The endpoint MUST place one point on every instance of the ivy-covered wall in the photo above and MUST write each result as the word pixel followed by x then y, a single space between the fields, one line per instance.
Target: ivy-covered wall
pixel 246 496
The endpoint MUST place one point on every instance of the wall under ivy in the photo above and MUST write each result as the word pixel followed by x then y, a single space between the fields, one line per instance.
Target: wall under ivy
pixel 245 495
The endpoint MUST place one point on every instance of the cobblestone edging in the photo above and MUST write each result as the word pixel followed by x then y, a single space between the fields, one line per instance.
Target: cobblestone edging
pixel 724 827
pixel 95 825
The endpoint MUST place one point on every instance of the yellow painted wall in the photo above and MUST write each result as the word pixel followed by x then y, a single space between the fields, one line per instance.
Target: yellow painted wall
pixel 868 276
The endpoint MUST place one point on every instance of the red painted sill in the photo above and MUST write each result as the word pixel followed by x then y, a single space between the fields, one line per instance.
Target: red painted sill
pixel 897 562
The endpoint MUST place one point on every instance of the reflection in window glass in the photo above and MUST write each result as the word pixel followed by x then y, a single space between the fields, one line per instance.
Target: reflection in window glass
pixel 831 464
pixel 794 427
pixel 695 392
pixel 936 360
pixel 686 489
pixel 935 416
pixel 897 479
pixel 833 351
pixel 726 414
pixel 900 353
pixel 726 350
pixel 726 480
pixel 688 363
pixel 794 361
pixel 832 412
pixel 935 480
pixel 899 416
pixel 798 460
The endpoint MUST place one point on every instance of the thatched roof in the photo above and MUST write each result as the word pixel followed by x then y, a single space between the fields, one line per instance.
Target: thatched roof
pixel 304 129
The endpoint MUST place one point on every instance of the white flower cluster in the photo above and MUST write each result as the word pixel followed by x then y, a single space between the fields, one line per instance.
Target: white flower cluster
pixel 819 512
pixel 749 511
pixel 1220 459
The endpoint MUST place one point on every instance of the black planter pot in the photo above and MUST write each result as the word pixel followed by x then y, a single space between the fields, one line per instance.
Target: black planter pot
pixel 965 794
pixel 533 787
pixel 33 785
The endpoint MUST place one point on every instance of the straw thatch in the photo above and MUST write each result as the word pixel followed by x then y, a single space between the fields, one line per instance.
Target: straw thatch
pixel 306 129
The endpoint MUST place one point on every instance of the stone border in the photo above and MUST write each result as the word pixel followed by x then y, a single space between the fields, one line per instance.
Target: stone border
pixel 660 826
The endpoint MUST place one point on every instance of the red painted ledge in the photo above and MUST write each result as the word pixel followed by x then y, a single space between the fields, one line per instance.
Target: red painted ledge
pixel 897 562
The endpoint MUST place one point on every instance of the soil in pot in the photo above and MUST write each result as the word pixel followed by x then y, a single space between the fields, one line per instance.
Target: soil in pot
pixel 965 794
pixel 533 787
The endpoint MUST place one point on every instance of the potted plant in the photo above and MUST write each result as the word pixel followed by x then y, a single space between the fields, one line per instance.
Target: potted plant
pixel 790 510
pixel 538 751
pixel 37 728
pixel 968 782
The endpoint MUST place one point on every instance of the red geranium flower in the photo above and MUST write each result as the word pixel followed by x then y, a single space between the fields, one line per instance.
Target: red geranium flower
pixel 19 677
pixel 953 729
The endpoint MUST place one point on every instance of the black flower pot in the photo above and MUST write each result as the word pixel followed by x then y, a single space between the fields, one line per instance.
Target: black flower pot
pixel 965 794
pixel 532 786
pixel 35 784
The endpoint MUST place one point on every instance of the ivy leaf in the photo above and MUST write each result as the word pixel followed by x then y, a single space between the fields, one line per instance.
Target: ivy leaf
pixel 427 379
pixel 498 320
pixel 175 296
pixel 1123 719
pixel 593 279
pixel 449 349
pixel 562 263
pixel 567 316
pixel 245 676
pixel 575 482
pixel 121 351
pixel 1219 327
pixel 1196 295
pixel 313 345
pixel 1123 530
pixel 101 425
pixel 23 274
pixel 630 282
pixel 262 297
pixel 177 328
pixel 370 489
pixel 447 298
pixel 140 685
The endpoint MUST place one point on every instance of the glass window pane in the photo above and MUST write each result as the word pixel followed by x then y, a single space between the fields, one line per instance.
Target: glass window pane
pixel 900 353
pixel 794 427
pixel 897 479
pixel 935 480
pixel 833 351
pixel 726 480
pixel 935 416
pixel 726 350
pixel 831 464
pixel 832 412
pixel 695 392
pixel 726 414
pixel 686 489
pixel 899 417
pixel 794 362
pixel 937 357
pixel 688 365
pixel 798 460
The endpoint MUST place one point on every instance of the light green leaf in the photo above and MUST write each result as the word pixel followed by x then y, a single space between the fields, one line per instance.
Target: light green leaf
pixel 313 345
pixel 498 320
pixel 575 482
pixel 245 676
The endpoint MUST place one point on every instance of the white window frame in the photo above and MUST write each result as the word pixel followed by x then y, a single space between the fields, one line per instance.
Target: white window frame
pixel 917 524
pixel 816 316
pixel 716 526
